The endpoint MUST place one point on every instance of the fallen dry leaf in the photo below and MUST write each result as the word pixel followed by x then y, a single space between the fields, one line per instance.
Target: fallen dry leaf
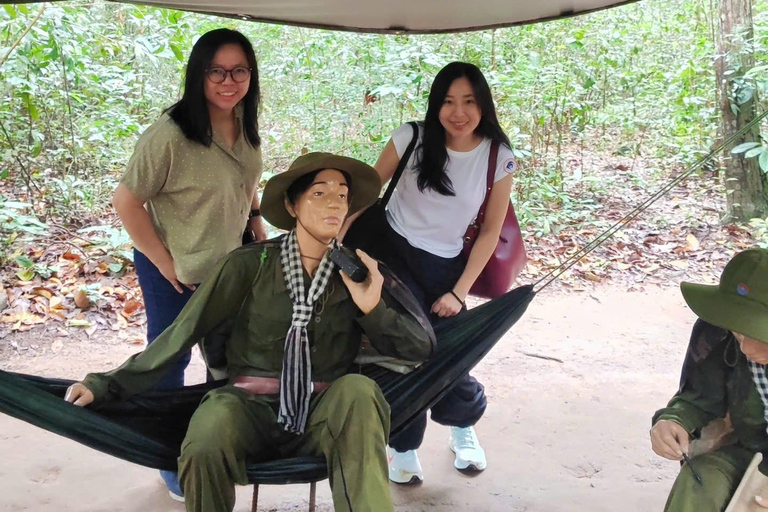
pixel 593 277
pixel 131 307
pixel 650 268
pixel 121 323
pixel 42 291
pixel 56 304
pixel 681 264
pixel 81 299
pixel 691 243
pixel 78 322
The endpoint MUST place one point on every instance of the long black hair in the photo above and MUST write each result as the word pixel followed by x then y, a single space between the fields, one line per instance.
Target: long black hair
pixel 434 156
pixel 191 112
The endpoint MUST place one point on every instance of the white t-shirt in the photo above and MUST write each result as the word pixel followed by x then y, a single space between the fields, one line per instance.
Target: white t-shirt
pixel 434 222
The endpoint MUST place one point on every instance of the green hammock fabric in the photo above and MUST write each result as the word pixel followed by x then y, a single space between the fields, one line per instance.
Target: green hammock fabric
pixel 148 429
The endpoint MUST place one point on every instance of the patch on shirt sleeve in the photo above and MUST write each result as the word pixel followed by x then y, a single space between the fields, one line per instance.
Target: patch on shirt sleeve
pixel 510 165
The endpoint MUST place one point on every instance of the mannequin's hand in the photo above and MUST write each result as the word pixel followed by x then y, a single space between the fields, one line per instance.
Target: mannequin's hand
pixel 669 439
pixel 79 395
pixel 367 294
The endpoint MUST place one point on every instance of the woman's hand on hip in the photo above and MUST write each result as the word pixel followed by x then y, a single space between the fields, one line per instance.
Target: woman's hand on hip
pixel 447 305
pixel 367 294
pixel 79 395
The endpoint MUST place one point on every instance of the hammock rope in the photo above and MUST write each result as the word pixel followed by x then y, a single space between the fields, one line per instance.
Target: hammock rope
pixel 601 238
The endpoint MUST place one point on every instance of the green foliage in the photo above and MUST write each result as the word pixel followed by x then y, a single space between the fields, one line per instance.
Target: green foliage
pixel 15 222
pixel 91 76
pixel 28 269
pixel 760 231
pixel 758 150
pixel 112 241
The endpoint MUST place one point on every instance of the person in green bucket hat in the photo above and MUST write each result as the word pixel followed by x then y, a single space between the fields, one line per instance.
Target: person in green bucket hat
pixel 724 373
pixel 284 328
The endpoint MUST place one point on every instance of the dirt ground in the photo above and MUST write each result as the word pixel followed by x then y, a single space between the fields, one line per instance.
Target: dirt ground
pixel 560 436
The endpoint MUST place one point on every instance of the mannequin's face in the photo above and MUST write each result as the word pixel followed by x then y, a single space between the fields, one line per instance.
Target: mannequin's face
pixel 322 208
pixel 756 351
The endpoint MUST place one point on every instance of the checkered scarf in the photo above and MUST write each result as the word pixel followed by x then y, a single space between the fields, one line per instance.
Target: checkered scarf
pixel 296 378
pixel 761 383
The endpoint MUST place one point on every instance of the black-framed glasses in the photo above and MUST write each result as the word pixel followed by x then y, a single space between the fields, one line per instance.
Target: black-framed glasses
pixel 239 74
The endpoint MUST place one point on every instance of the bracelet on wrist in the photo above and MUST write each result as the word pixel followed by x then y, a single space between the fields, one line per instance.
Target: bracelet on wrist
pixel 254 213
pixel 458 299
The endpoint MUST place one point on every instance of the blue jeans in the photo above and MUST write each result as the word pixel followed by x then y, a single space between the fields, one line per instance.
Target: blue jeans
pixel 162 304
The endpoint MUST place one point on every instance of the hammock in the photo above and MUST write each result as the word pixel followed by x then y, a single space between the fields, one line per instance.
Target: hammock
pixel 148 429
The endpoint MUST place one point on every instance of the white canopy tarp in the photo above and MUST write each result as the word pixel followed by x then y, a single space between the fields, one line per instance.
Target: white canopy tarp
pixel 391 16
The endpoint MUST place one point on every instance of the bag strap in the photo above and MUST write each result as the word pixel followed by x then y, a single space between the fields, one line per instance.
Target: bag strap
pixel 492 157
pixel 401 165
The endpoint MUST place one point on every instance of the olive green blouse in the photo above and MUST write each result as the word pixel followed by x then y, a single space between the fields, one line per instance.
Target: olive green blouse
pixel 198 197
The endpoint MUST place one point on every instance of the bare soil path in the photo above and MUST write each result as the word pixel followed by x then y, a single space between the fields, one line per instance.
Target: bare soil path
pixel 570 436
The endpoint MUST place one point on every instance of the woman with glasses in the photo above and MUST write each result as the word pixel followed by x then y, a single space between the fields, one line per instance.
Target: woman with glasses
pixel 189 189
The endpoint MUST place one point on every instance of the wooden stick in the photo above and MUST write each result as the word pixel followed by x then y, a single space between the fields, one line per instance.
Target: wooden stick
pixel 752 484
pixel 255 499
pixel 539 356
pixel 312 493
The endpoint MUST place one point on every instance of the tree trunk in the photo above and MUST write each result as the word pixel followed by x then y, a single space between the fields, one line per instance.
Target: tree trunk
pixel 744 182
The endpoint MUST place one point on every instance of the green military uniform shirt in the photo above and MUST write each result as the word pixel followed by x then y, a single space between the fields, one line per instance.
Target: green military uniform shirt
pixel 242 312
pixel 198 197
pixel 717 380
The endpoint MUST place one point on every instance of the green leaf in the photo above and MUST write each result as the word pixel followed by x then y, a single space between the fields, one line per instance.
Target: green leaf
pixel 26 274
pixel 45 271
pixel 753 152
pixel 37 148
pixel 115 267
pixel 10 10
pixel 78 322
pixel 23 261
pixel 741 148
pixel 177 52
pixel 17 205
pixel 763 161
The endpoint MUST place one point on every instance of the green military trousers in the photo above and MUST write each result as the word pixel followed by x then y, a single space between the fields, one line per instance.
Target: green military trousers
pixel 721 472
pixel 348 423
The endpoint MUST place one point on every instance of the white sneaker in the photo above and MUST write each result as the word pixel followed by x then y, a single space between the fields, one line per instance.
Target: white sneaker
pixel 469 454
pixel 404 468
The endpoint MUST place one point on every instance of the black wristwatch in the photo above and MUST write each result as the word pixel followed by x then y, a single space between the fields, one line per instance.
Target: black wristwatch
pixel 254 213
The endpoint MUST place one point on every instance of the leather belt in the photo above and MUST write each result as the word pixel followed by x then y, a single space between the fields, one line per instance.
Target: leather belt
pixel 268 385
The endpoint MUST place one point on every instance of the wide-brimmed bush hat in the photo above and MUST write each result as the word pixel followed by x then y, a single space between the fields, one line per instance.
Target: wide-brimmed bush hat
pixel 739 302
pixel 364 188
